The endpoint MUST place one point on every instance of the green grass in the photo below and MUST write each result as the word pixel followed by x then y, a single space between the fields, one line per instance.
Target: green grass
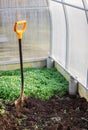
pixel 40 83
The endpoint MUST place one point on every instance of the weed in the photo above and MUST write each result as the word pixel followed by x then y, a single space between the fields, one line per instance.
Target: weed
pixel 40 83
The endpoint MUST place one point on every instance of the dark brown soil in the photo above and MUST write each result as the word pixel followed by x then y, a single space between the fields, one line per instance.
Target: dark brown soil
pixel 54 114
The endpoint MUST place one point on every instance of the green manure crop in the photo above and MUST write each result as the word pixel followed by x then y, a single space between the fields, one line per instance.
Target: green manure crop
pixel 39 82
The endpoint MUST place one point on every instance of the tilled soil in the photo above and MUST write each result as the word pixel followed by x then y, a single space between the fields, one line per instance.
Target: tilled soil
pixel 54 114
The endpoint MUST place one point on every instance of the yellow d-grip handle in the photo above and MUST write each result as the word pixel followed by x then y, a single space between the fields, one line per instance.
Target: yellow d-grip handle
pixel 20 31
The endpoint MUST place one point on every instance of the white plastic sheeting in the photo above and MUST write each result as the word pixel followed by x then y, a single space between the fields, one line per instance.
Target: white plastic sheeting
pixel 36 38
pixel 69 40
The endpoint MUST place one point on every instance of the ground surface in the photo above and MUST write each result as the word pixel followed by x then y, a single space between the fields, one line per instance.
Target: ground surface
pixel 54 114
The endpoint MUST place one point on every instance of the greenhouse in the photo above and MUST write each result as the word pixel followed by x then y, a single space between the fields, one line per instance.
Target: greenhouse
pixel 43 65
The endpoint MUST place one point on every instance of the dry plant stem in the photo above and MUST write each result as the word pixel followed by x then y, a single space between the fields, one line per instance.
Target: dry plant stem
pixel 84 119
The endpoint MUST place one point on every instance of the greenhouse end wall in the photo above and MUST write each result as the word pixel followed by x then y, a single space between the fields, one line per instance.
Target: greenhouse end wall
pixel 69 40
pixel 36 39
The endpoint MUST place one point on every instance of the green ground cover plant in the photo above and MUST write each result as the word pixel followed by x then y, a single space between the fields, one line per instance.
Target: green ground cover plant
pixel 39 82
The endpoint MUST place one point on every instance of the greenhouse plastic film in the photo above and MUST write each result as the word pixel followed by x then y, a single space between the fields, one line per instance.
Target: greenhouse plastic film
pixel 37 35
pixel 76 45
